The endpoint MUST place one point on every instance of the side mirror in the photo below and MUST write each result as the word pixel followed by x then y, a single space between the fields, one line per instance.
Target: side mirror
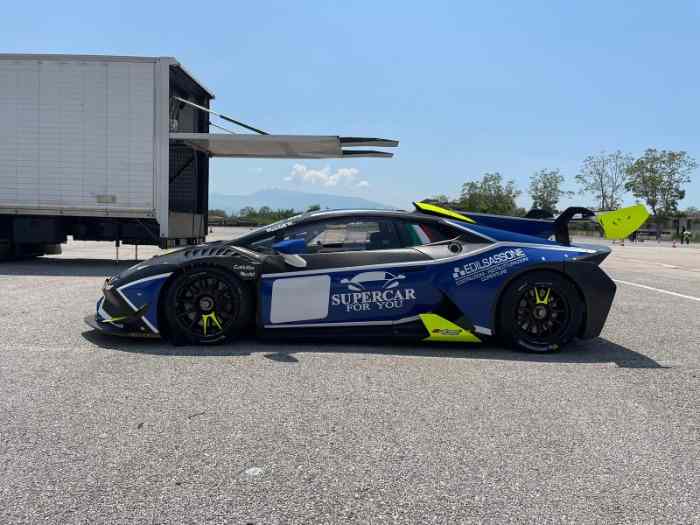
pixel 291 246
pixel 292 259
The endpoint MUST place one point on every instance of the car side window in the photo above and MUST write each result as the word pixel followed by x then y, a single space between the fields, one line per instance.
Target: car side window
pixel 343 235
pixel 418 233
pixel 263 244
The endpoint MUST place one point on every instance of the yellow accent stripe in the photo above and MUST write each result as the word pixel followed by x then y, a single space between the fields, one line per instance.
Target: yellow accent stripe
pixel 115 319
pixel 433 208
pixel 622 223
pixel 544 299
pixel 440 329
pixel 205 321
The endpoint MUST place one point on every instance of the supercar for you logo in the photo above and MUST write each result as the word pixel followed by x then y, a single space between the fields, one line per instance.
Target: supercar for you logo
pixel 373 291
pixel 489 267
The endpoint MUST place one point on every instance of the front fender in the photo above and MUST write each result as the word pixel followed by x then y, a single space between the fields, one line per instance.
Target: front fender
pixel 133 303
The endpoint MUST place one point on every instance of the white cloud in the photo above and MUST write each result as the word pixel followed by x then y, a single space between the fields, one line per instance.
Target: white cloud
pixel 347 177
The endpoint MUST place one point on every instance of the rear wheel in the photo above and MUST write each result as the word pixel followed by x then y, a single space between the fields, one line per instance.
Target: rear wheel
pixel 540 312
pixel 206 306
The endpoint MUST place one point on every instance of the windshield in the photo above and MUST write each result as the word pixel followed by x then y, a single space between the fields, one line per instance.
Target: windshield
pixel 268 228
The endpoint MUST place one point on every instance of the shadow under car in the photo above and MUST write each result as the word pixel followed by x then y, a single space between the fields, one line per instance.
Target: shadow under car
pixel 593 351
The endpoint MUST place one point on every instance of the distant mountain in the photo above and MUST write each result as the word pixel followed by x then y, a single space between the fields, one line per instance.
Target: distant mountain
pixel 297 200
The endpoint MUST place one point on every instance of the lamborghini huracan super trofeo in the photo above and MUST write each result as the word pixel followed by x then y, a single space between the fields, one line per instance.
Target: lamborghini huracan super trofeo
pixel 432 274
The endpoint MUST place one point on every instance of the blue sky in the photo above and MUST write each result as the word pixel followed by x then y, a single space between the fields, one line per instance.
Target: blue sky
pixel 466 87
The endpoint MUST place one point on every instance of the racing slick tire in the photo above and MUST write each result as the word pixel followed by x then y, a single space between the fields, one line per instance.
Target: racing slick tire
pixel 206 306
pixel 540 312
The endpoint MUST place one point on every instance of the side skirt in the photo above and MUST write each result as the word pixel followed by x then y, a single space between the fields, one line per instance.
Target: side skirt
pixel 428 327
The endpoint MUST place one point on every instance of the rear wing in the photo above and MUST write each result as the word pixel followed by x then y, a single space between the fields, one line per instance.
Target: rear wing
pixel 561 223
pixel 616 224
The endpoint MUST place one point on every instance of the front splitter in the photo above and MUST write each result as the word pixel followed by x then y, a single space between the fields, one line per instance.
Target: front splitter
pixel 110 329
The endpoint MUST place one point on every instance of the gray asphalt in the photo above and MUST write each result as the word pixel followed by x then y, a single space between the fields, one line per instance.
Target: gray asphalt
pixel 103 430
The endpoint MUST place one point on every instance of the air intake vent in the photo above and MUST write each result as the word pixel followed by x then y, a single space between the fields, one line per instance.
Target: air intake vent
pixel 213 251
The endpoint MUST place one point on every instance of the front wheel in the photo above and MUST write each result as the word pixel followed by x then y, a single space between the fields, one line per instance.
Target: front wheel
pixel 206 306
pixel 540 312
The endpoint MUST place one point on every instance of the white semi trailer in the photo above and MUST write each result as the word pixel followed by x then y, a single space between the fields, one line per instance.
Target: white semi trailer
pixel 117 149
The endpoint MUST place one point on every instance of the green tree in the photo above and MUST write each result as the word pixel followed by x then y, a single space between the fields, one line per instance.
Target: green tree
pixel 313 207
pixel 489 195
pixel 545 189
pixel 218 213
pixel 605 175
pixel 658 177
pixel 265 215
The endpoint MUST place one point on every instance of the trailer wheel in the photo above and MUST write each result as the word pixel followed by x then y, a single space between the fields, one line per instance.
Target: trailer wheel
pixel 206 306
pixel 19 251
pixel 52 249
pixel 7 250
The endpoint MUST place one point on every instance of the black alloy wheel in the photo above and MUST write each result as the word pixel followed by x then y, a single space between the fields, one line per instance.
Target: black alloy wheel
pixel 206 306
pixel 540 312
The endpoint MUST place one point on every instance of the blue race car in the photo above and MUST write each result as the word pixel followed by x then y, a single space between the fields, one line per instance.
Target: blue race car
pixel 433 274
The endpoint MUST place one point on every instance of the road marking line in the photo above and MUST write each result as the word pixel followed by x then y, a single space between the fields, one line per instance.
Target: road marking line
pixel 658 290
pixel 669 265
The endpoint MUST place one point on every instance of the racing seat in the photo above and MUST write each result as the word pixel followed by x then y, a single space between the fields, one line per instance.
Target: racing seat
pixel 381 241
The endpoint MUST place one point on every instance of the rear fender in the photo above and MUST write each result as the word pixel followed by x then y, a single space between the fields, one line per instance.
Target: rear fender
pixel 598 291
pixel 595 289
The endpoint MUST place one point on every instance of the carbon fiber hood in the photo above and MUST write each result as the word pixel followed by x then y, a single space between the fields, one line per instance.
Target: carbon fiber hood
pixel 221 253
